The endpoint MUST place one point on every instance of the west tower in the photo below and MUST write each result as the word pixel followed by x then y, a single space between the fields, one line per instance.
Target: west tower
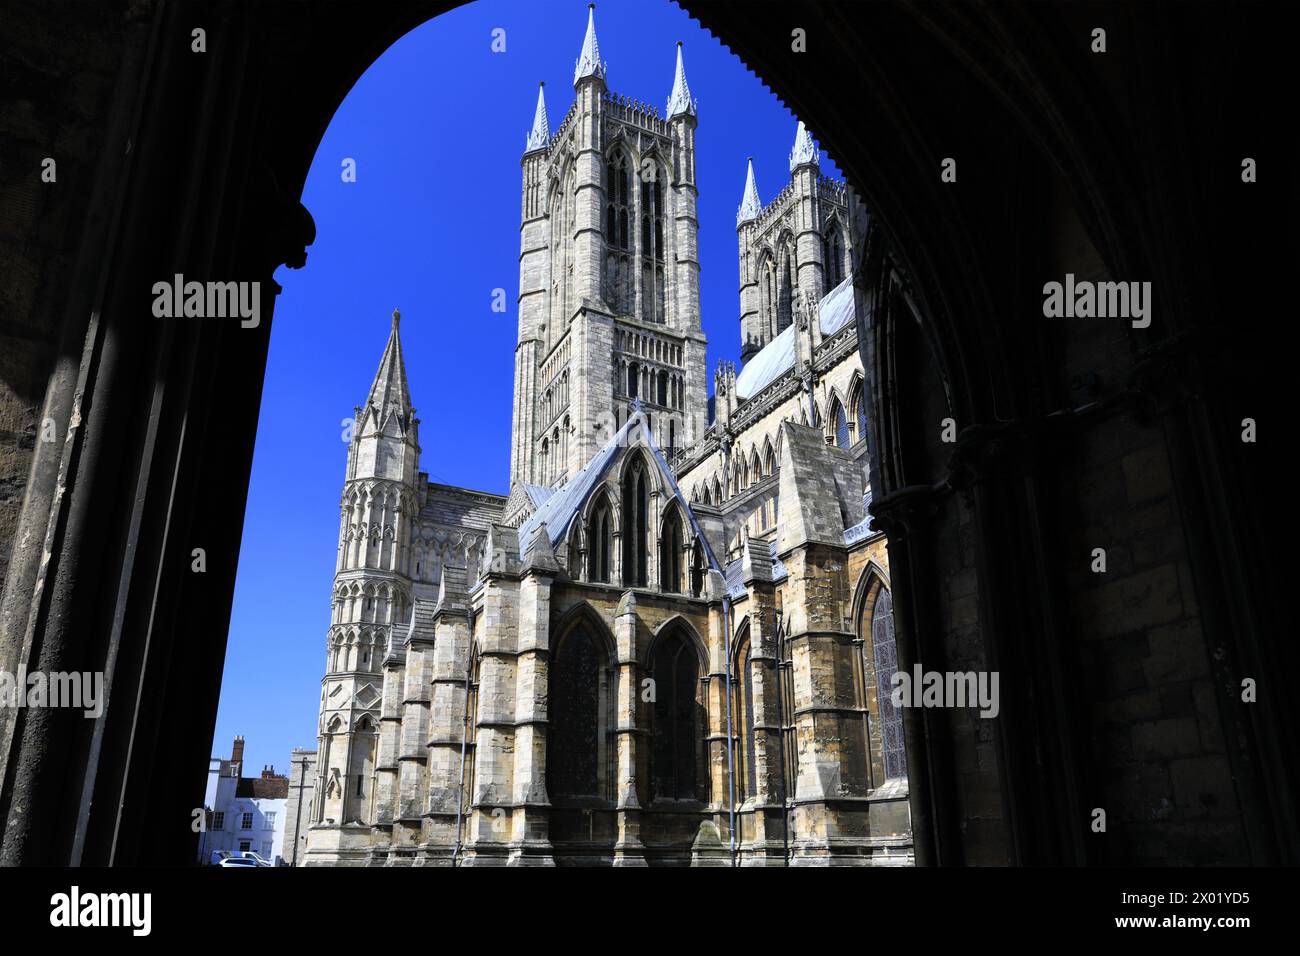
pixel 609 300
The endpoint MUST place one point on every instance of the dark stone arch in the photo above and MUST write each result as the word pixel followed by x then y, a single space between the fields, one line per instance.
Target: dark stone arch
pixel 1063 128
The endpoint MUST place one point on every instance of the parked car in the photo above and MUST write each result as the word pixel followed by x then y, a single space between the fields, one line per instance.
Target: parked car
pixel 238 861
pixel 257 860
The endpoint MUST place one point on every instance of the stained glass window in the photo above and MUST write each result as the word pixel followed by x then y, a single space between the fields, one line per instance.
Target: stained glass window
pixel 676 672
pixel 886 659
pixel 573 738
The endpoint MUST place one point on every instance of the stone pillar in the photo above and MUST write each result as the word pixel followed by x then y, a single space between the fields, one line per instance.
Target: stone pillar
pixel 508 821
pixel 448 671
pixel 530 831
pixel 768 807
pixel 628 851
pixel 412 748
pixel 390 733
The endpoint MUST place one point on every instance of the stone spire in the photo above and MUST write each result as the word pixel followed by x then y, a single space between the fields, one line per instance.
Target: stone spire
pixel 749 204
pixel 541 133
pixel 589 62
pixel 680 101
pixel 390 388
pixel 805 150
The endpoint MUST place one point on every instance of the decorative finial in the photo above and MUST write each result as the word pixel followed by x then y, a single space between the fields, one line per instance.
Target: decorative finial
pixel 589 62
pixel 680 100
pixel 397 318
pixel 750 206
pixel 804 152
pixel 541 131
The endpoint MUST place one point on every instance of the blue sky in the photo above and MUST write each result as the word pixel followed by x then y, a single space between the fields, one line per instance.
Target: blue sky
pixel 436 127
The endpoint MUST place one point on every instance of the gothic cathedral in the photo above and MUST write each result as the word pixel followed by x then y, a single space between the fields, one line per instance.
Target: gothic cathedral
pixel 672 643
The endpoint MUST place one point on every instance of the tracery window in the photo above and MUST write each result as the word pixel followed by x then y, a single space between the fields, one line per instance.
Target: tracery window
pixel 599 542
pixel 635 532
pixel 784 296
pixel 573 738
pixel 841 425
pixel 676 750
pixel 860 413
pixel 743 706
pixel 652 245
pixel 670 554
pixel 619 291
pixel 885 653
pixel 833 256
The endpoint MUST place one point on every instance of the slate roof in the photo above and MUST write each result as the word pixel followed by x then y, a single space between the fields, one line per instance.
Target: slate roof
pixel 736 585
pixel 559 509
pixel 777 357
pixel 538 494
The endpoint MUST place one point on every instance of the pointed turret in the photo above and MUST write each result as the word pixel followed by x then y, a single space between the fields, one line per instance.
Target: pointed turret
pixel 805 150
pixel 390 390
pixel 589 62
pixel 749 204
pixel 541 133
pixel 680 100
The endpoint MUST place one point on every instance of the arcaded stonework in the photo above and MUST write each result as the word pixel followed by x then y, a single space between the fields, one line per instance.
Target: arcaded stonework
pixel 662 648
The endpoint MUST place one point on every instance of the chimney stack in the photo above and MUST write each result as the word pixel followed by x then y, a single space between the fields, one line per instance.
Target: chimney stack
pixel 237 751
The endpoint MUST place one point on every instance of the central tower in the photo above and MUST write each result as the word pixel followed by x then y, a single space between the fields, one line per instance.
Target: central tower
pixel 609 289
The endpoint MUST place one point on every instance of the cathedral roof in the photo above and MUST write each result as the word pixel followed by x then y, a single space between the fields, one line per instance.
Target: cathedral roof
pixel 589 62
pixel 804 151
pixel 538 494
pixel 750 207
pixel 390 389
pixel 777 356
pixel 555 515
pixel 680 100
pixel 541 132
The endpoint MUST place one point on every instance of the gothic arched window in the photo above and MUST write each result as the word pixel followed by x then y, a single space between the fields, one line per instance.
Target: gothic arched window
pixel 676 723
pixel 767 275
pixel 573 737
pixel 670 553
pixel 636 495
pixel 747 783
pixel 841 424
pixel 885 655
pixel 633 378
pixel 784 296
pixel 618 239
pixel 652 242
pixel 599 542
pixel 860 413
pixel 832 256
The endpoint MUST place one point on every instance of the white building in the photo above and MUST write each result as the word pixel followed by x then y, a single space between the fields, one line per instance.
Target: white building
pixel 243 813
